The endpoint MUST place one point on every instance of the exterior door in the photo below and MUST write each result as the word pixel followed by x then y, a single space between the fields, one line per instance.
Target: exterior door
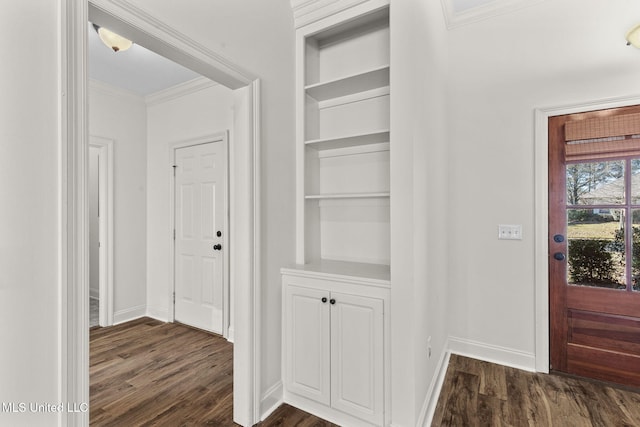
pixel 200 214
pixel 594 244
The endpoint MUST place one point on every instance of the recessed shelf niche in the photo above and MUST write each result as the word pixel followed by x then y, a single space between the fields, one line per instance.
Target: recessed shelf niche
pixel 346 143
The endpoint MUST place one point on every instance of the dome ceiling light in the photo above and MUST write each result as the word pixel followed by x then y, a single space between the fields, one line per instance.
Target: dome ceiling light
pixel 112 40
pixel 633 36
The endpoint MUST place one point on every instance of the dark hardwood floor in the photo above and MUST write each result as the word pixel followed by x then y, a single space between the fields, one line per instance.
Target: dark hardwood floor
pixel 150 373
pixel 477 393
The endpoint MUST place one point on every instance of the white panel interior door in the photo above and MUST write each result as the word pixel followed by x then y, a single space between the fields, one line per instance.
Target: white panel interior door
pixel 200 212
pixel 357 356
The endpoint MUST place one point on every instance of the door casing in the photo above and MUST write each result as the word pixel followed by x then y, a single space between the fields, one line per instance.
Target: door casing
pixel 73 354
pixel 105 145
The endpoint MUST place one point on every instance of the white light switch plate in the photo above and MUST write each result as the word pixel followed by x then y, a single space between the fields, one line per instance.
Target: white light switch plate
pixel 510 232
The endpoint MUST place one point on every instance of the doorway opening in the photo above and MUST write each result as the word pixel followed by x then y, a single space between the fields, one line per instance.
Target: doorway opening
pixel 542 233
pixel 245 154
pixel 100 231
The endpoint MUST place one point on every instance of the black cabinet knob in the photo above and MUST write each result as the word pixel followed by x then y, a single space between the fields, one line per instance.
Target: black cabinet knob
pixel 558 238
pixel 217 247
pixel 218 233
pixel 559 256
pixel 324 299
pixel 332 301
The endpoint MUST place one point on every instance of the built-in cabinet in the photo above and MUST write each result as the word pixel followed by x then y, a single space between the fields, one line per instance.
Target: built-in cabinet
pixel 336 297
pixel 334 335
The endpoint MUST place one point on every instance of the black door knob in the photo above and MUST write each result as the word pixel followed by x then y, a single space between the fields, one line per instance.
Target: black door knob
pixel 559 256
pixel 217 247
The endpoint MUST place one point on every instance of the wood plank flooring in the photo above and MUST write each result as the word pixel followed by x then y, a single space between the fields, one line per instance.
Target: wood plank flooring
pixel 477 393
pixel 150 373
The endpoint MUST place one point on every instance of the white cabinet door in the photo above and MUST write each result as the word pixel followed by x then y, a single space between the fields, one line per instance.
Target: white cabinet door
pixel 307 343
pixel 357 367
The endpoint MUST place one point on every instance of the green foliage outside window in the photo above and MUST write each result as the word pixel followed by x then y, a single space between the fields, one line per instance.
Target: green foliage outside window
pixel 618 245
pixel 591 262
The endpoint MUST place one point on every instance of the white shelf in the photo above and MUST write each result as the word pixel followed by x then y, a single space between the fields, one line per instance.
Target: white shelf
pixel 355 140
pixel 343 148
pixel 349 85
pixel 347 196
pixel 374 274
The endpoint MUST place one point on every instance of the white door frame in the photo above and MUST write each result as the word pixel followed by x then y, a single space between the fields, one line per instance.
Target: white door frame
pixel 541 178
pixel 134 23
pixel 105 197
pixel 217 138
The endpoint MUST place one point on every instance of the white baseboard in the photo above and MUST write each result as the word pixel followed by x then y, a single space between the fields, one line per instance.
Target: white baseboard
pixel 271 399
pixel 128 314
pixel 230 334
pixel 492 353
pixel 157 313
pixel 431 400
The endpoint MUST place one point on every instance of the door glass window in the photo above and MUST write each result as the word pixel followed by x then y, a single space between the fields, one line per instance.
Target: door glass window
pixel 635 181
pixel 603 205
pixel 600 183
pixel 595 231
pixel 635 250
pixel 596 246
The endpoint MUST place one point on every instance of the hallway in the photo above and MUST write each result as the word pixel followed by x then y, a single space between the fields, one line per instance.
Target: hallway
pixel 146 372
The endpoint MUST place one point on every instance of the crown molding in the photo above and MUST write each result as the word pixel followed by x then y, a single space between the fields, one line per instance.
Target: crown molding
pixel 107 89
pixel 309 11
pixel 165 95
pixel 179 90
pixel 494 8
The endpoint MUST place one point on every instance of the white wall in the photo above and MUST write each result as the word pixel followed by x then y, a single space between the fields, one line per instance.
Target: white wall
pixel 176 115
pixel 419 213
pixel 29 219
pixel 258 36
pixel 430 194
pixel 121 116
pixel 553 53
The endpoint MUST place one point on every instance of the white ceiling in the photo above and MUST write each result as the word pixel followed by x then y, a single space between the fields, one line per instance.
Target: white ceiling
pixel 462 5
pixel 143 72
pixel 137 70
pixel 461 12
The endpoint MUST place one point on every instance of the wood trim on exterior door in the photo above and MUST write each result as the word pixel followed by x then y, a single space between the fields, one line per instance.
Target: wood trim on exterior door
pixel 594 331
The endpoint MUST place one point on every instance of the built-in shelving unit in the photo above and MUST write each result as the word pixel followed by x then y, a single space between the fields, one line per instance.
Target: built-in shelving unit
pixel 344 141
pixel 336 299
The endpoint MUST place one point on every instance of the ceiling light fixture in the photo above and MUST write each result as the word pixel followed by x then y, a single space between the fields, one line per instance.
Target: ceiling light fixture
pixel 112 40
pixel 633 36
